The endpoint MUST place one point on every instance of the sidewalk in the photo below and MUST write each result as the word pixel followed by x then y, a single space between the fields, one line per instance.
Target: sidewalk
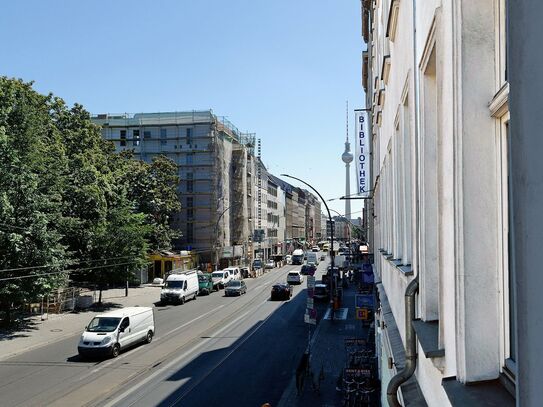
pixel 328 356
pixel 35 332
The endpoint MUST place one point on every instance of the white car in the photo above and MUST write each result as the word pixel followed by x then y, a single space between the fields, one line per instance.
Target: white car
pixel 295 277
pixel 269 264
pixel 288 258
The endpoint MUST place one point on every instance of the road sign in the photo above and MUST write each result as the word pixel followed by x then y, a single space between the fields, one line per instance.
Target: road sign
pixel 362 313
pixel 310 303
pixel 364 301
pixel 310 282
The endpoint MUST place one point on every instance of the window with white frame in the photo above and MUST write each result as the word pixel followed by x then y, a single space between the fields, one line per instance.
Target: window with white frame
pixel 508 280
pixel 429 193
pixel 397 188
pixel 501 41
pixel 407 185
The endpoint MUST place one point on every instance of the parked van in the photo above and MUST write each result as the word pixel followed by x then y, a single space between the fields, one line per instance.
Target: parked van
pixel 221 277
pixel 180 286
pixel 234 273
pixel 109 333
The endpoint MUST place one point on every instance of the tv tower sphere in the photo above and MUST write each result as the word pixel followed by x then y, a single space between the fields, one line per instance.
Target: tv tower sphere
pixel 347 156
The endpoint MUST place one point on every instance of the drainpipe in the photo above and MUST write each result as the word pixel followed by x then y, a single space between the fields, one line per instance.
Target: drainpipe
pixel 410 346
pixel 413 287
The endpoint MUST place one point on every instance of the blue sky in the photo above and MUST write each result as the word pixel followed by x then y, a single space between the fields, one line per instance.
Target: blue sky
pixel 282 69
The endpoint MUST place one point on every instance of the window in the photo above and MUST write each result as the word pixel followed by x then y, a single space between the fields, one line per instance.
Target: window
pixel 190 231
pixel 189 136
pixel 123 138
pixel 190 201
pixel 189 158
pixel 501 41
pixel 163 136
pixel 190 185
pixel 135 137
pixel 125 324
pixel 272 190
pixel 508 266
pixel 398 189
pixel 190 213
pixel 407 186
pixel 432 196
pixel 146 134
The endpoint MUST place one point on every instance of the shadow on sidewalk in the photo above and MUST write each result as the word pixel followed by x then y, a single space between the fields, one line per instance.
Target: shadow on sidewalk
pixel 18 327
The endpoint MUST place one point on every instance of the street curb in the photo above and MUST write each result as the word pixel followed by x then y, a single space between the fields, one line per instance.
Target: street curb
pixel 291 388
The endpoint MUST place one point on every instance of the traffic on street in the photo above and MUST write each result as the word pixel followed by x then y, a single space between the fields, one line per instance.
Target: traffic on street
pixel 201 353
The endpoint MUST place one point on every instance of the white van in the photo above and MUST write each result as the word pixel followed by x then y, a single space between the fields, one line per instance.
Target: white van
pixel 180 286
pixel 313 258
pixel 234 273
pixel 107 334
pixel 221 277
pixel 297 256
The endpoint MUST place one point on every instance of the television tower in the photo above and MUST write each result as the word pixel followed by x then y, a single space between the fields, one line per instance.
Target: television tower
pixel 347 158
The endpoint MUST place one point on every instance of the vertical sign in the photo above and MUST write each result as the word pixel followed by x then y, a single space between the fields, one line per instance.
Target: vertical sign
pixel 362 150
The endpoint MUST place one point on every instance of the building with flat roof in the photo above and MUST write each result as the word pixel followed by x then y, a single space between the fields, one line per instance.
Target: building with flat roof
pixel 216 166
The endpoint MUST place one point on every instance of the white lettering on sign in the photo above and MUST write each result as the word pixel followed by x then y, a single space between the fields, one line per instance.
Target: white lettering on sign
pixel 362 154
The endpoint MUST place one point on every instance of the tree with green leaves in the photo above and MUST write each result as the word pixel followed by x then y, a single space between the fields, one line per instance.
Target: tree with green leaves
pixel 153 188
pixel 68 203
pixel 31 163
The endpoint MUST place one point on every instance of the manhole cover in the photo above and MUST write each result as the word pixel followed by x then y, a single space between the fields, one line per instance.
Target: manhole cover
pixel 56 330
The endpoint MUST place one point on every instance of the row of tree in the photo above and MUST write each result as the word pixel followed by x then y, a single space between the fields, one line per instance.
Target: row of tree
pixel 68 201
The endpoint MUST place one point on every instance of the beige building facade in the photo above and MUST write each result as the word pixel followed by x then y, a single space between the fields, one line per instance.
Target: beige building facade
pixel 434 74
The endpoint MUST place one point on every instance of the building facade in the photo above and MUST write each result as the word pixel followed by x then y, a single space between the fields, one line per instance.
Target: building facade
pixel 435 79
pixel 216 166
pixel 302 215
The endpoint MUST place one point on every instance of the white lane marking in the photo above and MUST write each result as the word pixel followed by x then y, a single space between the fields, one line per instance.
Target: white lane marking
pixel 175 361
pixel 158 338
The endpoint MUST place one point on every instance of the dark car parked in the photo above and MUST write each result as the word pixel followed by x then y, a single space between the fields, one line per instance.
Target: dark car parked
pixel 321 292
pixel 308 269
pixel 281 291
pixel 235 287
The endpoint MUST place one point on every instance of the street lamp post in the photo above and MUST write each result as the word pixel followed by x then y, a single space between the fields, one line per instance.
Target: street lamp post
pixel 333 287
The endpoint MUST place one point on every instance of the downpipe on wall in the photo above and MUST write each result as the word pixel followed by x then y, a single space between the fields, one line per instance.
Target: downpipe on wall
pixel 410 345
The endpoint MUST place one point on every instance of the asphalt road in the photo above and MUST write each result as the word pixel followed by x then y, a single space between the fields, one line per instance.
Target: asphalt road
pixel 213 351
